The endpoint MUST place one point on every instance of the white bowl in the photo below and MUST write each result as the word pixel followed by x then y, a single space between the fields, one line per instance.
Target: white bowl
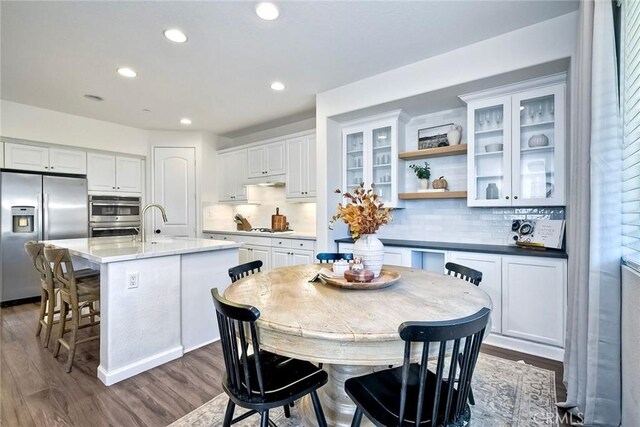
pixel 492 148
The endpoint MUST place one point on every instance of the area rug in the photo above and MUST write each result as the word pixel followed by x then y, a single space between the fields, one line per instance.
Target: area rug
pixel 507 393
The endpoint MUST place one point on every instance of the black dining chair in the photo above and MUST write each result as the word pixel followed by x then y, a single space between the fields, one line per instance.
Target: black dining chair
pixel 464 273
pixel 260 381
pixel 243 270
pixel 412 394
pixel 331 257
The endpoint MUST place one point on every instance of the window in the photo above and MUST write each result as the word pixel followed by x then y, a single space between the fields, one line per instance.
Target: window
pixel 631 122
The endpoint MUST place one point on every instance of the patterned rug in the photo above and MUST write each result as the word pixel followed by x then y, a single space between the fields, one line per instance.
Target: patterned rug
pixel 509 394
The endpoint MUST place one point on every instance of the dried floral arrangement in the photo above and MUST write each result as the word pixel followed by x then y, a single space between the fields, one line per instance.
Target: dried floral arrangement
pixel 364 212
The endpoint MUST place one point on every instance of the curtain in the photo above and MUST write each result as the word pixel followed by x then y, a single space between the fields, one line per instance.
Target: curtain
pixel 592 372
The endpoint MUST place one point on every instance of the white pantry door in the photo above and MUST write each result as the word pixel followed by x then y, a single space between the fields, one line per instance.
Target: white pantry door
pixel 174 187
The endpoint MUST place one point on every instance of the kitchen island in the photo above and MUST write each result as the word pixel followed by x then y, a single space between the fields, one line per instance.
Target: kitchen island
pixel 155 300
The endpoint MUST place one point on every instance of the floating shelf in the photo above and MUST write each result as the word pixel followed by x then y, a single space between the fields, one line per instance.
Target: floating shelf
pixel 434 195
pixel 451 150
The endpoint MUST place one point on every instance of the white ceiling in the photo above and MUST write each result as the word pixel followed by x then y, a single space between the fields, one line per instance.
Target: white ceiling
pixel 54 52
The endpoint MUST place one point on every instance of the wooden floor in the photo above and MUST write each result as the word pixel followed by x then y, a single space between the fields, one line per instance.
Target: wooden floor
pixel 36 391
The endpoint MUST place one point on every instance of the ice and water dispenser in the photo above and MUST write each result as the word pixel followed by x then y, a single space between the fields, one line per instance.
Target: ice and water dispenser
pixel 23 218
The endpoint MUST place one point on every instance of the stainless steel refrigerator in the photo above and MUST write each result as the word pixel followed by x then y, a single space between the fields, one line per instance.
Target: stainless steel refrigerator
pixel 36 207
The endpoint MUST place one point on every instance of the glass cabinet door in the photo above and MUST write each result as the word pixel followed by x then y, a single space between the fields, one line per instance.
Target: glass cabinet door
pixel 489 180
pixel 538 147
pixel 354 148
pixel 381 161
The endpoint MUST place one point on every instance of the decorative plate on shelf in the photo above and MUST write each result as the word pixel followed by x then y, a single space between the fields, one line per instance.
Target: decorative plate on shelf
pixel 386 278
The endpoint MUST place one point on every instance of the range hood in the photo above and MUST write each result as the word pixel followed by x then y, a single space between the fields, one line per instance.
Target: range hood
pixel 267 181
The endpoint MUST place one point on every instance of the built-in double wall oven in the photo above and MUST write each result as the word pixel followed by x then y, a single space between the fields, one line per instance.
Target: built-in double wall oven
pixel 113 216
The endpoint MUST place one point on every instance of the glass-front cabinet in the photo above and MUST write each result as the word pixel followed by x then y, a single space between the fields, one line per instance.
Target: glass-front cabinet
pixel 516 153
pixel 370 155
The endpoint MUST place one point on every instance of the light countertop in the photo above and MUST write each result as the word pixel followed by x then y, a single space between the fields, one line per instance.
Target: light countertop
pixel 102 250
pixel 279 235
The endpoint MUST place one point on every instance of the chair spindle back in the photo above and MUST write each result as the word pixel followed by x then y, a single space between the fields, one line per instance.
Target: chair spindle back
pixel 331 257
pixel 243 270
pixel 464 273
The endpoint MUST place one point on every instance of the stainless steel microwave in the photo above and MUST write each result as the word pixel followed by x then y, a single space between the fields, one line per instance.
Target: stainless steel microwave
pixel 114 209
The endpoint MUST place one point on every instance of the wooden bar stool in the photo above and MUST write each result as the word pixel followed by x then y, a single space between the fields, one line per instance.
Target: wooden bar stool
pixel 75 295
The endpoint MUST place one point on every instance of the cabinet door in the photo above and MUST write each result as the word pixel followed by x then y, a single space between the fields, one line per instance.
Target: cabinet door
pixel 397 256
pixel 275 158
pixel 295 168
pixel 128 174
pixel 353 147
pixel 26 157
pixel 256 162
pixel 68 161
pixel 381 162
pixel 301 257
pixel 539 147
pixel 533 299
pixel 311 169
pixel 101 172
pixel 489 152
pixel 244 255
pixel 491 268
pixel 263 254
pixel 280 257
pixel 239 175
pixel 225 187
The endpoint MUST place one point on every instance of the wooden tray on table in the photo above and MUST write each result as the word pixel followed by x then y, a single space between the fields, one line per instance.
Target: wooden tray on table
pixel 386 278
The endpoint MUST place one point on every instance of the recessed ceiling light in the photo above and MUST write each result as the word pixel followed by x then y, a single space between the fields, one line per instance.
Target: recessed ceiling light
pixel 127 72
pixel 267 11
pixel 277 86
pixel 175 35
pixel 94 97
pixel 185 121
pixel 146 110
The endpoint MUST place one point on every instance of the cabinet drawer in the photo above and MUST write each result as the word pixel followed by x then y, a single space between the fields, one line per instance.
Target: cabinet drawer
pixel 281 243
pixel 309 245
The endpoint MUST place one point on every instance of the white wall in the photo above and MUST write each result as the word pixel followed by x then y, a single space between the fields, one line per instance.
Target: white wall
pixel 42 125
pixel 275 132
pixel 544 42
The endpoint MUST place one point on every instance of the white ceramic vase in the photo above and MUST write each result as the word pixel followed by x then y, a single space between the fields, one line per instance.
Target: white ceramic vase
pixel 454 135
pixel 424 184
pixel 371 250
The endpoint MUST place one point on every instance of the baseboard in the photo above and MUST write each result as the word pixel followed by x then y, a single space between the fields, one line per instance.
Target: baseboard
pixel 128 371
pixel 528 347
pixel 28 300
pixel 195 347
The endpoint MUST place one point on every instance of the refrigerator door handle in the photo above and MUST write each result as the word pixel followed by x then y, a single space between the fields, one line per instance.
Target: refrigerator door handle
pixel 39 216
pixel 45 216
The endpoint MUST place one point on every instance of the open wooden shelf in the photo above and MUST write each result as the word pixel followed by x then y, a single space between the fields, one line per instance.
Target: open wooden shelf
pixel 451 150
pixel 434 195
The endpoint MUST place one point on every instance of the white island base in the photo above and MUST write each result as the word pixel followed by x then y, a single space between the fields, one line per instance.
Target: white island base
pixel 155 299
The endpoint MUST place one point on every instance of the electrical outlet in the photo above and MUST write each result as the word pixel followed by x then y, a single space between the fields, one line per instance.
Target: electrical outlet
pixel 132 280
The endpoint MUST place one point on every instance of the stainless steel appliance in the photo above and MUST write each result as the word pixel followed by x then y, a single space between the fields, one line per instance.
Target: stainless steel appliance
pixel 114 216
pixel 36 207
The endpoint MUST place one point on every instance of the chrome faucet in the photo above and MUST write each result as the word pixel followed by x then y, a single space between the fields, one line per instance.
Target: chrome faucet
pixel 143 233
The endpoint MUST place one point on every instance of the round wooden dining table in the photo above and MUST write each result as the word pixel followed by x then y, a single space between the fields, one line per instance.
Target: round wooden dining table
pixel 352 332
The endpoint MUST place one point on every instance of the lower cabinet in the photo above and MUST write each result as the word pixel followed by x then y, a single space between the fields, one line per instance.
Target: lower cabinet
pixel 250 253
pixel 287 257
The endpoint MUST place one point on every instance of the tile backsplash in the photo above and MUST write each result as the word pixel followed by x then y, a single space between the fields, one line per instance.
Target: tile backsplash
pixel 301 216
pixel 452 221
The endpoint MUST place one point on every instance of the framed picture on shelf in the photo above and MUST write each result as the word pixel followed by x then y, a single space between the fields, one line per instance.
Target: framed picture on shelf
pixel 434 136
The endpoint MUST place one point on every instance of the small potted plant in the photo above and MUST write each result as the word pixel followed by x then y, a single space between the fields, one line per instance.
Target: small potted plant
pixel 423 173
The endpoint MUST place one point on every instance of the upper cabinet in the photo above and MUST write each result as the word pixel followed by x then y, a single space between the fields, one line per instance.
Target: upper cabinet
pixel 233 174
pixel 107 172
pixel 370 152
pixel 516 139
pixel 266 160
pixel 44 159
pixel 301 167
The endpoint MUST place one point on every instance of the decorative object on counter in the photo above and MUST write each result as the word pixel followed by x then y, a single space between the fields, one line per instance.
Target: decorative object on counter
pixel 278 222
pixel 493 148
pixel 440 183
pixel 423 173
pixel 340 266
pixel 541 233
pixel 492 192
pixel 365 214
pixel 539 140
pixel 241 223
pixel 454 135
pixel 434 136
pixel 357 264
pixel 362 276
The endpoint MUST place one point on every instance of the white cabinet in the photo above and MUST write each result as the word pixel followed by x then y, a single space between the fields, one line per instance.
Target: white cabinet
pixel 1 154
pixel 287 257
pixel 301 167
pixel 516 139
pixel 266 160
pixel 491 268
pixel 370 155
pixel 45 159
pixel 107 172
pixel 233 174
pixel 534 299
